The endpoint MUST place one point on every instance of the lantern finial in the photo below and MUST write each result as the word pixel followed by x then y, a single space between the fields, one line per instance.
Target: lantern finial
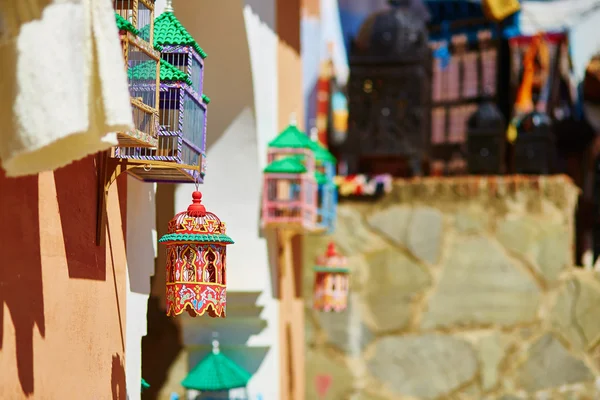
pixel 293 119
pixel 331 252
pixel 196 209
pixel 169 6
pixel 215 343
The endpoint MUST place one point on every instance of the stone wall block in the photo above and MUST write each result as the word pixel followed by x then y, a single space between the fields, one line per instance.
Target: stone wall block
pixel 423 366
pixel 481 286
pixel 394 281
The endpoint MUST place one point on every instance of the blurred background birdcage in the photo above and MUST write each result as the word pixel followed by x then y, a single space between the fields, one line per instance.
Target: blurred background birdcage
pixel 134 19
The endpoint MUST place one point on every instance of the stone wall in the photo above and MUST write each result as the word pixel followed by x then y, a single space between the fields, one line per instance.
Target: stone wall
pixel 460 289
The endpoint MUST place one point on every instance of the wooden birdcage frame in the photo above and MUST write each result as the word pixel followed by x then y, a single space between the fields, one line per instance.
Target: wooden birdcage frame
pixel 145 116
pixel 174 144
pixel 182 110
pixel 298 210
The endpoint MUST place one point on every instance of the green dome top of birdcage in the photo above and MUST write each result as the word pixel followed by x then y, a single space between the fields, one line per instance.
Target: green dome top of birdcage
pixel 321 153
pixel 216 372
pixel 125 25
pixel 146 70
pixel 168 31
pixel 291 137
pixel 286 165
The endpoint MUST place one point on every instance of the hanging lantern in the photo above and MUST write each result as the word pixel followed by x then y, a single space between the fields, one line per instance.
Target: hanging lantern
pixel 331 281
pixel 196 263
pixel 485 141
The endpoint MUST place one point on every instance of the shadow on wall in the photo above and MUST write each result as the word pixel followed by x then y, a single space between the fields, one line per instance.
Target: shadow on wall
pixel 160 348
pixel 76 195
pixel 117 379
pixel 21 272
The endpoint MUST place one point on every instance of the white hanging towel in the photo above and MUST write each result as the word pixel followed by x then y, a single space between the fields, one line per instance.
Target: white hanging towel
pixel 63 85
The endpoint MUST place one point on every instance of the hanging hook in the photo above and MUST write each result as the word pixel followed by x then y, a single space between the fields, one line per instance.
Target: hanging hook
pixel 147 167
pixel 196 181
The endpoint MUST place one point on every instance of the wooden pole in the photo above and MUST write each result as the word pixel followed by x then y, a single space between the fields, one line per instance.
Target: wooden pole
pixel 291 321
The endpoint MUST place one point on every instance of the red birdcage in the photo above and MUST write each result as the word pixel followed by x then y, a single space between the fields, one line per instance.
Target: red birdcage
pixel 331 281
pixel 196 262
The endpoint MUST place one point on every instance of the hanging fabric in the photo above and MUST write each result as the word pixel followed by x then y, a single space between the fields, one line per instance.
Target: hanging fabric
pixel 64 88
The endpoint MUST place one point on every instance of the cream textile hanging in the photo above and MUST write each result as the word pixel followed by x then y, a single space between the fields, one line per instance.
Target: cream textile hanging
pixel 63 86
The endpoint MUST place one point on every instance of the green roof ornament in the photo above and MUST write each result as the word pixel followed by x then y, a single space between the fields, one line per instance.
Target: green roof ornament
pixel 125 25
pixel 321 153
pixel 168 31
pixel 216 373
pixel 145 385
pixel 291 137
pixel 146 71
pixel 286 165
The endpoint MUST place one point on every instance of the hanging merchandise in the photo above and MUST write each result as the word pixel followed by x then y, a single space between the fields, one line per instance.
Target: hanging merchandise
pixel 299 192
pixel 331 281
pixel 196 262
pixel 64 91
pixel 182 107
pixel 499 10
pixel 485 141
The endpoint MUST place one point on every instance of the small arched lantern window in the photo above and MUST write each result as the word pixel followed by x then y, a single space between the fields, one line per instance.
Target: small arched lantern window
pixel 331 281
pixel 196 245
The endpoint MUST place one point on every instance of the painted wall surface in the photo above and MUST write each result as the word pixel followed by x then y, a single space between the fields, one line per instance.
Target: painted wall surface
pixel 458 291
pixel 62 298
pixel 141 250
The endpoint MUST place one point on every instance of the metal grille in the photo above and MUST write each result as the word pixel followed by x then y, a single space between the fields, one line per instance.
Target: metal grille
pixel 169 110
pixel 194 116
pixel 470 81
pixel 178 60
pixel 197 75
pixel 126 9
pixel 141 72
pixel 438 125
pixel 144 19
pixel 488 68
pixel 451 81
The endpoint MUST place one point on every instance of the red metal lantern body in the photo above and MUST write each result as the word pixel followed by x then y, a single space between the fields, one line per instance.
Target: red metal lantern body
pixel 331 281
pixel 196 262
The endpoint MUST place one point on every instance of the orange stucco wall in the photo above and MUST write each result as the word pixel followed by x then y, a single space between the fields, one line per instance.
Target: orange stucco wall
pixel 62 298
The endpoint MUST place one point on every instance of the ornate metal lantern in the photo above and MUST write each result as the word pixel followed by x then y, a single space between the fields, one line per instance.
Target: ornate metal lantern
pixel 331 281
pixel 196 262
pixel 485 140
pixel 535 145
pixel 389 93
pixel 134 20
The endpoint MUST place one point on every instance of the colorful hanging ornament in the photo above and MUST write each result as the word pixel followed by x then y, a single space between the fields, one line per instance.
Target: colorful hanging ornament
pixel 196 262
pixel 331 281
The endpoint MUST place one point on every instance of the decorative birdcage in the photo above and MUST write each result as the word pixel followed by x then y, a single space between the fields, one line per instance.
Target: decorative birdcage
pixel 486 140
pixel 196 262
pixel 535 151
pixel 290 184
pixel 135 22
pixel 182 107
pixel 325 164
pixel 331 281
